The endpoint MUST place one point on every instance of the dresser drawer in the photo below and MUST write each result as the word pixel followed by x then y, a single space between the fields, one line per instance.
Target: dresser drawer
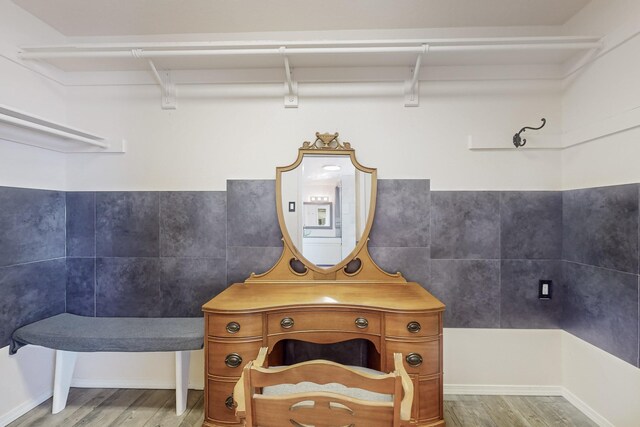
pixel 234 325
pixel 228 358
pixel 343 321
pixel 412 325
pixel 424 356
pixel 219 395
pixel 429 395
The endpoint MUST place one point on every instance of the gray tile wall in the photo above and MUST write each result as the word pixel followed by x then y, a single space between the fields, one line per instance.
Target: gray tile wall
pixel 254 240
pixel 145 253
pixel 600 268
pixel 32 250
pixel 488 252
pixel 601 227
pixel 400 238
pixel 482 253
pixel 454 243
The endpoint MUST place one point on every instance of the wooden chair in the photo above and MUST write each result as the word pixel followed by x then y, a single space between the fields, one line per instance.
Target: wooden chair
pixel 314 399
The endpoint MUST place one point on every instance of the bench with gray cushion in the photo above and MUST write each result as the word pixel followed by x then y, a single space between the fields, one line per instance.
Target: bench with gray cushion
pixel 69 334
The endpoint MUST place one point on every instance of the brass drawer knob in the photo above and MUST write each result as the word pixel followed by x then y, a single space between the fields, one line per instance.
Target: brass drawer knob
pixel 233 327
pixel 414 327
pixel 233 360
pixel 362 323
pixel 229 403
pixel 286 323
pixel 414 359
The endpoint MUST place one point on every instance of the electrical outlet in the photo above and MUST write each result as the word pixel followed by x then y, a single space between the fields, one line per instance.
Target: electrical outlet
pixel 292 206
pixel 545 289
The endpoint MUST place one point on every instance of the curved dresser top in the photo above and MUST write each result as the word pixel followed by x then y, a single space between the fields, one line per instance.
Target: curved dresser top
pixel 394 297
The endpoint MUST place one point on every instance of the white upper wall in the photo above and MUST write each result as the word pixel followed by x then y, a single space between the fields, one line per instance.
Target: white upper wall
pixel 606 90
pixel 217 133
pixel 19 87
pixel 220 132
pixel 21 165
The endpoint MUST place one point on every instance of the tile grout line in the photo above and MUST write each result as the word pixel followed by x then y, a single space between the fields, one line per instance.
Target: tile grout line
pixel 500 199
pixel 32 262
pixel 226 236
pixel 598 267
pixel 563 284
pixel 66 252
pixel 159 249
pixel 95 254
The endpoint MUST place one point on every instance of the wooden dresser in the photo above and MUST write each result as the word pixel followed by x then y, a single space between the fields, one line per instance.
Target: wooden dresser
pixel 392 317
pixel 305 297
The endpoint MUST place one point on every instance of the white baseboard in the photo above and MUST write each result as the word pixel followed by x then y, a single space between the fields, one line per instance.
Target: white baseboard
pixel 508 390
pixel 25 407
pixel 529 390
pixel 124 383
pixel 586 409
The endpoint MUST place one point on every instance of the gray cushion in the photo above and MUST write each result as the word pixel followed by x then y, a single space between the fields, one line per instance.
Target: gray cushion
pixel 131 334
pixel 309 387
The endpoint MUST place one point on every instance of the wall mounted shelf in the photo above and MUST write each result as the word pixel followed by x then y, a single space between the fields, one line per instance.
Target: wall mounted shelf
pixel 24 128
pixel 162 59
pixel 620 122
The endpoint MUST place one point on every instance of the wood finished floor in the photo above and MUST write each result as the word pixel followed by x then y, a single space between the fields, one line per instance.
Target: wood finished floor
pixel 152 408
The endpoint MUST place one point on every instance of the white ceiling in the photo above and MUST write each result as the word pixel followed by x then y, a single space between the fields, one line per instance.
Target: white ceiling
pixel 150 17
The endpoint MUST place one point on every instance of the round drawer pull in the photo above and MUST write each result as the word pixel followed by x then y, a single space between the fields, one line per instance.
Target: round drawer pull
pixel 233 360
pixel 414 359
pixel 229 403
pixel 414 327
pixel 286 323
pixel 362 323
pixel 233 327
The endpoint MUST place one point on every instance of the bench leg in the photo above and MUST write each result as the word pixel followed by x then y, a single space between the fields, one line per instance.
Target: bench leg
pixel 182 380
pixel 65 363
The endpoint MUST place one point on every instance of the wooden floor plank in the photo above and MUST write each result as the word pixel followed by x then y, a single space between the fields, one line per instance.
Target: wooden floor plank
pixel 107 411
pixel 87 401
pixel 542 406
pixel 569 413
pixel 502 413
pixel 36 417
pixel 195 417
pixel 145 406
pixel 470 412
pixel 166 416
pixel 450 416
pixel 528 412
pixel 156 408
pixel 80 400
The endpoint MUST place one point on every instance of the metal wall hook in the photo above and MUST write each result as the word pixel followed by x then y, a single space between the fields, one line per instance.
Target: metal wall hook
pixel 519 142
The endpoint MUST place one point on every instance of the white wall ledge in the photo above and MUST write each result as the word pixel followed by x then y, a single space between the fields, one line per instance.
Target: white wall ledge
pixel 24 128
pixel 621 122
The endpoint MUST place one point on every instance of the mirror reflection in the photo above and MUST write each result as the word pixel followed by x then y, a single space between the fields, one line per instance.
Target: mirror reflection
pixel 325 204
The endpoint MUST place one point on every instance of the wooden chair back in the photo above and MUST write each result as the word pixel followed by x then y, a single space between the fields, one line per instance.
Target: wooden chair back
pixel 322 408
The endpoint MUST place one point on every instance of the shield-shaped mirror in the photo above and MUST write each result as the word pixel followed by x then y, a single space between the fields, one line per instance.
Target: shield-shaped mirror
pixel 326 201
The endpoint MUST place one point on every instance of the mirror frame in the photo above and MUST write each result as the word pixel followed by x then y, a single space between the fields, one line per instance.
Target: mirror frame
pixel 326 145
